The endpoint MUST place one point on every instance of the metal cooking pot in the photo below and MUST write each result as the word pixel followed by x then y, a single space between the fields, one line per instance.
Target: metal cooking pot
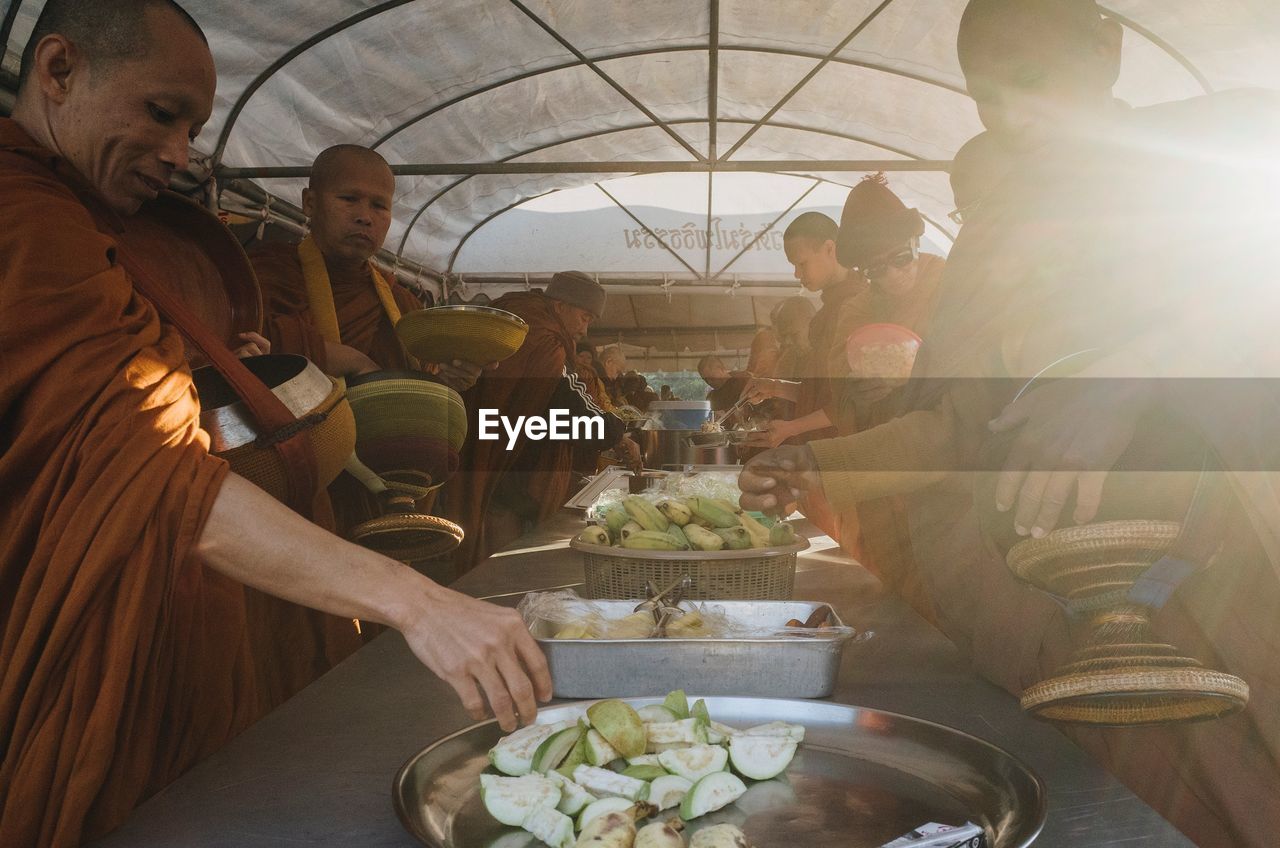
pixel 672 449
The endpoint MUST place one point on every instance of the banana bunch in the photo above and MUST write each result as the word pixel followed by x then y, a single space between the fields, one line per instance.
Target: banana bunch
pixel 691 523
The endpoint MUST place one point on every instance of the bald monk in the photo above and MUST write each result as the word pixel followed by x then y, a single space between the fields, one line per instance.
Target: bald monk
pixel 324 297
pixel 1132 240
pixel 124 545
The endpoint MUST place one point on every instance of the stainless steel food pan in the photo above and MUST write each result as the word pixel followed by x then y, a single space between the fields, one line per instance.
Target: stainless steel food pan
pixel 771 666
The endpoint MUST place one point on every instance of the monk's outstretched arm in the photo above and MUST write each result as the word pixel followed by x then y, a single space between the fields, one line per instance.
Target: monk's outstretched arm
pixel 472 645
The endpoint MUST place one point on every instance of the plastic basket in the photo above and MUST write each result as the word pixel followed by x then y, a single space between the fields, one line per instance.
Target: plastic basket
pixel 761 574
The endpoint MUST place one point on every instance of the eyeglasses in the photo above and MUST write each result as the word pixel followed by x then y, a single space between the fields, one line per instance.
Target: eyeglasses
pixel 899 260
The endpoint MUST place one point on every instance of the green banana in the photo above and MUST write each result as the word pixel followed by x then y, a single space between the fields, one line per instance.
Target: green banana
pixel 614 518
pixel 735 538
pixel 627 529
pixel 650 540
pixel 702 538
pixel 594 535
pixel 758 532
pixel 727 506
pixel 706 508
pixel 648 515
pixel 676 533
pixel 782 533
pixel 676 511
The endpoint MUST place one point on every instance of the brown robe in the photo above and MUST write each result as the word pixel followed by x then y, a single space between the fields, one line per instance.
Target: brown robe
pixel 306 641
pixel 123 660
pixel 532 481
pixel 1150 242
pixel 362 320
pixel 363 324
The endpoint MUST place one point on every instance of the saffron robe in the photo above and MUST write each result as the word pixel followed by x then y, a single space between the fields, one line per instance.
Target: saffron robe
pixel 123 660
pixel 533 480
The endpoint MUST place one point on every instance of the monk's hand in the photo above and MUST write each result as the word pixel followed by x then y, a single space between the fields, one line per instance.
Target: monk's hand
pixel 458 375
pixel 779 477
pixel 771 435
pixel 253 345
pixel 1070 434
pixel 485 652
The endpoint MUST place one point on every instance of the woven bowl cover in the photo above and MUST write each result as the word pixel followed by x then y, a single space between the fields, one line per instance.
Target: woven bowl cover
pixel 389 405
pixel 1068 561
pixel 473 334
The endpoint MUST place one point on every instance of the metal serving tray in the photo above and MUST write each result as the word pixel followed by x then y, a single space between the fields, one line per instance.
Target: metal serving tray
pixel 861 779
pixel 798 666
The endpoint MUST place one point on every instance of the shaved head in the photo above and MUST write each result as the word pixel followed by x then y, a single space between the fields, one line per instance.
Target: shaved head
pixel 348 201
pixel 107 31
pixel 334 161
pixel 1038 68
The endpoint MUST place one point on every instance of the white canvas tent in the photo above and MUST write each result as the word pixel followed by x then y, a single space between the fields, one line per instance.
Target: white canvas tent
pixel 645 142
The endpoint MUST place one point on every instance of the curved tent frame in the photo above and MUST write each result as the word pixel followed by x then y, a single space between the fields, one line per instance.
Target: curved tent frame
pixel 522 159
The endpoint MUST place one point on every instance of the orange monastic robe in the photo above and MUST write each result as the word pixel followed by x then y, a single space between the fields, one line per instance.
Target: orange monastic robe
pixel 123 660
pixel 294 326
pixel 497 488
pixel 362 320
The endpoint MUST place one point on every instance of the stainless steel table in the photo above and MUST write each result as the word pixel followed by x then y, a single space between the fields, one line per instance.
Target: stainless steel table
pixel 318 770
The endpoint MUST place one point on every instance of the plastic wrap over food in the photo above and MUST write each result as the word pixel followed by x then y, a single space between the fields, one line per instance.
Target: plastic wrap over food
pixel 565 615
pixel 705 484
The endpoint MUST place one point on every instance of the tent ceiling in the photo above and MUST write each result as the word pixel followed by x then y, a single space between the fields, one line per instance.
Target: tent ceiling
pixel 535 84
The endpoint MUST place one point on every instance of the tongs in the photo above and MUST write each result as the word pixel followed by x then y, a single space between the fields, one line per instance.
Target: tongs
pixel 664 605
pixel 724 416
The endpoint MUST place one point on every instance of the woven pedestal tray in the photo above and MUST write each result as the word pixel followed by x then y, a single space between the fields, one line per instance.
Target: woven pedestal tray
pixel 1124 676
pixel 409 536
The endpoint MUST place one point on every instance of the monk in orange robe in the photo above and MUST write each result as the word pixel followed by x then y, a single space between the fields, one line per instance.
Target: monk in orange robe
pixel 502 490
pixel 1138 237
pixel 124 545
pixel 324 297
pixel 326 300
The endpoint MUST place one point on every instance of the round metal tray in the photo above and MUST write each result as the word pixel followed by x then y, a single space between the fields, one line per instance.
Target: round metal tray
pixel 862 778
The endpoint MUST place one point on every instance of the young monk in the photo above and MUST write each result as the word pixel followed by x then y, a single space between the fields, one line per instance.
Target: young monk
pixel 123 544
pixel 324 297
pixel 1134 236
